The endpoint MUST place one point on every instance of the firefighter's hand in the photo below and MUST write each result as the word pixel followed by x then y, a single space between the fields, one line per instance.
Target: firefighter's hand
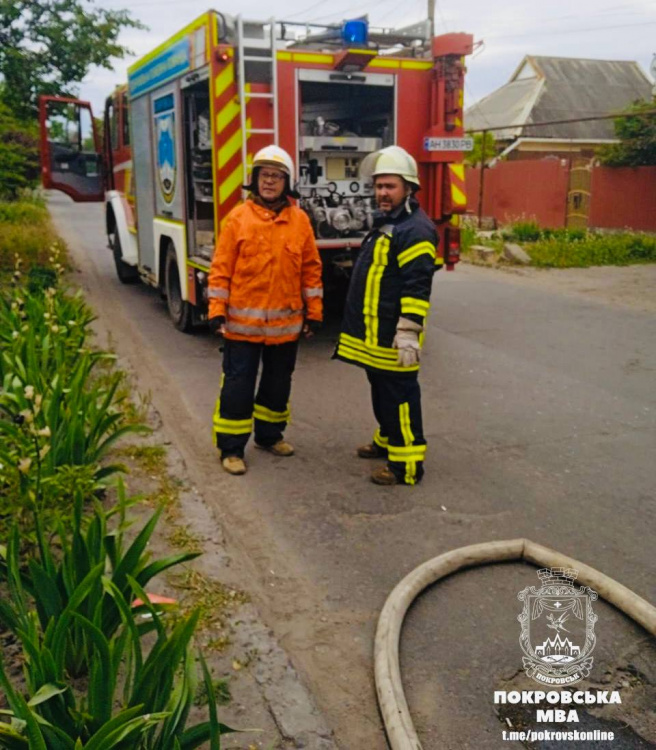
pixel 310 327
pixel 217 325
pixel 407 342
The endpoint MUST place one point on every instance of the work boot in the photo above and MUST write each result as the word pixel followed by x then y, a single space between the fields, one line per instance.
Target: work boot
pixel 384 476
pixel 234 465
pixel 371 450
pixel 281 448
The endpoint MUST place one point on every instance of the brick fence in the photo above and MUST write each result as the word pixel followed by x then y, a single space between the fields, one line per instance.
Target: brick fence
pixel 620 197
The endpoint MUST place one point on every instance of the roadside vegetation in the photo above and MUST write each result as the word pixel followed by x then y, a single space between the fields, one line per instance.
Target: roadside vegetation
pixel 559 248
pixel 103 666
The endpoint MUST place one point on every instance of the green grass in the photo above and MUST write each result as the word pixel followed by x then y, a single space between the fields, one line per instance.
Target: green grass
pixel 26 232
pixel 593 250
pixel 566 247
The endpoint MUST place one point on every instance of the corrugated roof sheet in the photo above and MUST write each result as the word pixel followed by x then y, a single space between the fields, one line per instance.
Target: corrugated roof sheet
pixel 570 88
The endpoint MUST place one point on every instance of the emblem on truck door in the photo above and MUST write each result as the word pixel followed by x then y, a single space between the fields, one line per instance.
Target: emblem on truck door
pixel 165 134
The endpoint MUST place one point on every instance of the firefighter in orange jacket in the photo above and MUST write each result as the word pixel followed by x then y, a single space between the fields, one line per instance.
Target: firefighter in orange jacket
pixel 264 291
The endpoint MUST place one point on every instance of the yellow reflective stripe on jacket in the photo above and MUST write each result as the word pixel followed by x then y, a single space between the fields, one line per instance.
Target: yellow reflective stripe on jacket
pixel 372 289
pixel 379 440
pixel 268 415
pixel 367 358
pixel 414 305
pixel 376 351
pixel 415 251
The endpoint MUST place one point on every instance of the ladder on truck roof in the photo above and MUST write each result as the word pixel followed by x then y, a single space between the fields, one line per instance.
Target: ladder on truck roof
pixel 254 37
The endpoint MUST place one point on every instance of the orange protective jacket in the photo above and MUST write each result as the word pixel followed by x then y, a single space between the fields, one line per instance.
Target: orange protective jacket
pixel 266 274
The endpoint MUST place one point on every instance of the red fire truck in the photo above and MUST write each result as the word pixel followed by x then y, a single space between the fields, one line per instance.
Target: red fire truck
pixel 179 137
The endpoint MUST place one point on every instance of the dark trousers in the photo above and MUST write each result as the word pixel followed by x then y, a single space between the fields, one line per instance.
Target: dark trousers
pixel 396 400
pixel 238 410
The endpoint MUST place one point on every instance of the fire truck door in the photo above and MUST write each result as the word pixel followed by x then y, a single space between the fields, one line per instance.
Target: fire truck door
pixel 70 149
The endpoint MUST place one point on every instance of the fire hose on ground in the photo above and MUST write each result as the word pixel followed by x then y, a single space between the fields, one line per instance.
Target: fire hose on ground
pixel 389 688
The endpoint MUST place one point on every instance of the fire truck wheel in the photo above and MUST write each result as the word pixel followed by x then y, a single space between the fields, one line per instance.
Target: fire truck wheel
pixel 181 312
pixel 126 274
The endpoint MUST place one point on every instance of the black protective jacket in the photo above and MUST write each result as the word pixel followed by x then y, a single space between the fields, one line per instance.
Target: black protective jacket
pixel 392 278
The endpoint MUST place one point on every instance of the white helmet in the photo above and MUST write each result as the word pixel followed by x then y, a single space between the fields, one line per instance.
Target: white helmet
pixel 274 156
pixel 390 160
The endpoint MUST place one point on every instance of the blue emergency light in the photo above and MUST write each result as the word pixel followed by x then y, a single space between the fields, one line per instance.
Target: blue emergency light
pixel 355 32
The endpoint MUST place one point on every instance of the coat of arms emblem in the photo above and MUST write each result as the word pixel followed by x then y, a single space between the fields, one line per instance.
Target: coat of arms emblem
pixel 557 622
pixel 166 166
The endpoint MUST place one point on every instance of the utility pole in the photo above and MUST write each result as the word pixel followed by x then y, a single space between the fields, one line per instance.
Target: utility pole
pixel 431 17
pixel 481 185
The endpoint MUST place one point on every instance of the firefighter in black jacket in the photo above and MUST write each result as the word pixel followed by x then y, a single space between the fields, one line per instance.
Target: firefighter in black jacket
pixel 386 309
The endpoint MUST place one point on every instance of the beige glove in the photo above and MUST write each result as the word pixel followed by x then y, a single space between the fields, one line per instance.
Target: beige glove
pixel 407 342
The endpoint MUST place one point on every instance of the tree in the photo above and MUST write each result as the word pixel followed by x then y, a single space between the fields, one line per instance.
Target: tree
pixel 482 150
pixel 19 154
pixel 637 134
pixel 48 46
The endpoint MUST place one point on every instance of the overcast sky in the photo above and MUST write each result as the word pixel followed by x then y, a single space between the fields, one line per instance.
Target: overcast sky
pixel 600 29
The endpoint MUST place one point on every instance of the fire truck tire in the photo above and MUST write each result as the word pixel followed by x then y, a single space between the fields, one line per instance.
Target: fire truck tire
pixel 126 274
pixel 181 312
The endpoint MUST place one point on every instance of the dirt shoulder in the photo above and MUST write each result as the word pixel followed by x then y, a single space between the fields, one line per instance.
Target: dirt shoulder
pixel 632 287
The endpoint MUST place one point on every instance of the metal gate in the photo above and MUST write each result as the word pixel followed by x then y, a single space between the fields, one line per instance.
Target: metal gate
pixel 578 193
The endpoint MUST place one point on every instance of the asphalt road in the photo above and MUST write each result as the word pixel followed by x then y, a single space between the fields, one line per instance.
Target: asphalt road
pixel 540 414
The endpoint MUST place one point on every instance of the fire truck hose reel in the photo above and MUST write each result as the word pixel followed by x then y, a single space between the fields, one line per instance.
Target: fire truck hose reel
pixel 389 689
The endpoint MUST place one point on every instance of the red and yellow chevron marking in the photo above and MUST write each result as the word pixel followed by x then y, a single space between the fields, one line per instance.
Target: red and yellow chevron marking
pixel 227 132
pixel 226 128
pixel 458 192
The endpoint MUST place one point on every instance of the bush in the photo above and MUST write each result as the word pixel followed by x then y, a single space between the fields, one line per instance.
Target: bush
pixel 524 231
pixel 569 251
pixel 27 232
pixel 19 154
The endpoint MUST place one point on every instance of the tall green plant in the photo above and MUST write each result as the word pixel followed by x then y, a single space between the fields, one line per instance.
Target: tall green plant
pixel 52 581
pixel 149 712
pixel 60 411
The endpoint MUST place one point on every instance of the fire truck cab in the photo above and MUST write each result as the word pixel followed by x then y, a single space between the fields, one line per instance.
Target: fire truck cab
pixel 179 137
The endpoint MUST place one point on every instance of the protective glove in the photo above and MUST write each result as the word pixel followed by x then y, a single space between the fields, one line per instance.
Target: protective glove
pixel 216 324
pixel 407 342
pixel 310 327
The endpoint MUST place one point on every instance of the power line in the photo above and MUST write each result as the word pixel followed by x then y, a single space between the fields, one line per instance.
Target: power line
pixel 574 31
pixel 353 11
pixel 612 116
pixel 306 10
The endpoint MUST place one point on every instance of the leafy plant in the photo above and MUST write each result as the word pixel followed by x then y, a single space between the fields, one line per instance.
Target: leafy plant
pixel 62 403
pixel 52 582
pixel 157 692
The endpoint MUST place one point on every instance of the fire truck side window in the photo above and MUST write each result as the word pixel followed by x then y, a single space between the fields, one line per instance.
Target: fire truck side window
pixel 126 120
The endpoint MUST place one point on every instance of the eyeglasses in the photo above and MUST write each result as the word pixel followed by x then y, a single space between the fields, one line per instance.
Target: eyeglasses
pixel 272 176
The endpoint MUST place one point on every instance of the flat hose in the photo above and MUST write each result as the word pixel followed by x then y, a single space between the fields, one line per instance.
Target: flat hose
pixel 389 688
